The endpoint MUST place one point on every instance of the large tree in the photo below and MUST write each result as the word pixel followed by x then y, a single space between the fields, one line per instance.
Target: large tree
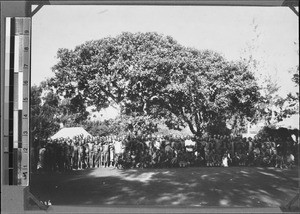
pixel 151 74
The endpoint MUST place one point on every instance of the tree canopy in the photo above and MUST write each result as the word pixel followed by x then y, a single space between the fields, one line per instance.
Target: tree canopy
pixel 152 74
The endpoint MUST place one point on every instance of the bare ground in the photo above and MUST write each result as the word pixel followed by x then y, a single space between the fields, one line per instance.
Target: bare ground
pixel 178 187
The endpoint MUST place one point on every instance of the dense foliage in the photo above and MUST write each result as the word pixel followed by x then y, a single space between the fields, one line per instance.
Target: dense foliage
pixel 149 74
pixel 43 120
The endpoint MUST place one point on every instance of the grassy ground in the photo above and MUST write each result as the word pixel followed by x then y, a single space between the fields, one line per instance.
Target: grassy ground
pixel 179 187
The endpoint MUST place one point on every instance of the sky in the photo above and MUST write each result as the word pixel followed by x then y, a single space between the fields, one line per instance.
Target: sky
pixel 227 30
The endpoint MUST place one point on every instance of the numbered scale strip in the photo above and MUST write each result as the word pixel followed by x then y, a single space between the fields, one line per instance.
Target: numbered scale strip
pixel 16 101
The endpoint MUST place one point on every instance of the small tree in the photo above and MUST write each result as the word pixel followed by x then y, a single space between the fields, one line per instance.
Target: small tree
pixel 43 121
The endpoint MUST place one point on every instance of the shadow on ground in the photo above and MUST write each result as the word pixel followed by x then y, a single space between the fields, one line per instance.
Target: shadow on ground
pixel 193 187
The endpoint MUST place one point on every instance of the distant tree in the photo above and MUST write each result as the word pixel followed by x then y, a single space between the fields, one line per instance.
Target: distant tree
pixel 73 111
pixel 252 46
pixel 49 110
pixel 43 120
pixel 139 125
pixel 293 99
pixel 295 77
pixel 104 128
pixel 70 111
pixel 273 108
pixel 149 74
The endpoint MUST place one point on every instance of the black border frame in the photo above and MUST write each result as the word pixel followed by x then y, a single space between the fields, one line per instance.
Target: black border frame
pixel 12 197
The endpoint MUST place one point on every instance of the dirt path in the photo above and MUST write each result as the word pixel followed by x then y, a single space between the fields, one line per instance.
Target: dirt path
pixel 192 187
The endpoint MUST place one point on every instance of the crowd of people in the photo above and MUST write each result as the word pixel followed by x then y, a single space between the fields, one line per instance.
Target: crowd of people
pixel 132 151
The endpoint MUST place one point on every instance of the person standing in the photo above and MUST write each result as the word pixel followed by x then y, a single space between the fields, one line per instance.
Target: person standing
pixel 118 148
pixel 67 155
pixel 60 156
pixel 41 160
pixel 81 155
pixel 189 149
pixel 75 154
pixel 111 153
pixel 105 152
pixel 225 159
pixel 90 145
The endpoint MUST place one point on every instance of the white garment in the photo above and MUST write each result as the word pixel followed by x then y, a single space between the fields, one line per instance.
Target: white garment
pixel 189 149
pixel 118 147
pixel 189 143
pixel 90 146
pixel 157 144
pixel 225 161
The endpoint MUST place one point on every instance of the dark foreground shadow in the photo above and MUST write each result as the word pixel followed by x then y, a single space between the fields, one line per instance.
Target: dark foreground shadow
pixel 192 187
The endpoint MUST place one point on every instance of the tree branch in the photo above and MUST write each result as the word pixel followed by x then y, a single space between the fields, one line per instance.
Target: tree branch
pixel 187 121
pixel 108 93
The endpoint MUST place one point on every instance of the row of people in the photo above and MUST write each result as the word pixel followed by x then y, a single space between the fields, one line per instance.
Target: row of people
pixel 163 151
